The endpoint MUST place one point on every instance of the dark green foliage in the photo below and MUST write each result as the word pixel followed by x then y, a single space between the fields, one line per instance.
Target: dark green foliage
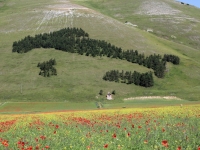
pixel 76 40
pixel 47 69
pixel 172 58
pixel 142 79
pixel 101 92
pixel 113 92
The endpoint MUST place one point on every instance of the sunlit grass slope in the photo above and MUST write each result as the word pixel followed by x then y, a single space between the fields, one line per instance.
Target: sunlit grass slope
pixel 168 19
pixel 79 77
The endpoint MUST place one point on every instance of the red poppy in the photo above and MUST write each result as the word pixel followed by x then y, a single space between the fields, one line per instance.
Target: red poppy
pixel 179 148
pixel 163 129
pixel 114 135
pixel 29 148
pixel 165 143
pixel 20 144
pixel 133 126
pixel 139 127
pixel 5 143
pixel 43 137
pixel 128 134
pixel 198 148
pixel 37 147
pixel 105 146
pixel 47 147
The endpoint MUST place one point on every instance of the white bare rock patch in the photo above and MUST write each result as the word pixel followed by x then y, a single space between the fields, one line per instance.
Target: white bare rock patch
pixel 195 38
pixel 150 7
pixel 66 12
pixel 66 6
pixel 153 97
pixel 149 30
pixel 130 24
pixel 173 37
pixel 67 9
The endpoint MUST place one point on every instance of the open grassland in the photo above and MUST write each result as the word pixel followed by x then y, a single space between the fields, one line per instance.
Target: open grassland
pixel 79 77
pixel 140 102
pixel 161 128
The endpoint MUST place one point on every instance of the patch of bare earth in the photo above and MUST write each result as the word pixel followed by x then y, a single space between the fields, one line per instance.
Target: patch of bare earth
pixel 152 97
pixel 150 7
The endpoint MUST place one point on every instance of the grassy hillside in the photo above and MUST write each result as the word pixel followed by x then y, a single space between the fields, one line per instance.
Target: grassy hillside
pixel 80 77
pixel 168 19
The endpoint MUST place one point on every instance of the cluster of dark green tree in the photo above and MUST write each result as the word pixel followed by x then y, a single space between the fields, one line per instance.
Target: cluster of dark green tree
pixel 128 77
pixel 155 62
pixel 76 40
pixel 64 39
pixel 171 58
pixel 47 69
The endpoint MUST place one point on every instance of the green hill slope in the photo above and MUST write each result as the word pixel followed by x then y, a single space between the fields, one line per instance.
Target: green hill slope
pixel 79 77
pixel 168 19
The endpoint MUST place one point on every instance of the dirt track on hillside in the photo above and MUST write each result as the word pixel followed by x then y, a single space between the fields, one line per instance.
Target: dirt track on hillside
pixel 152 97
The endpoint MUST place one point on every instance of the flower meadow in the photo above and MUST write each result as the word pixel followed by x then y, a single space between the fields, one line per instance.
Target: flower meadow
pixel 164 128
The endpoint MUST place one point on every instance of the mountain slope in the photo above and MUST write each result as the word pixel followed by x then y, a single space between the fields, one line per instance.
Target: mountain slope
pixel 80 77
pixel 168 19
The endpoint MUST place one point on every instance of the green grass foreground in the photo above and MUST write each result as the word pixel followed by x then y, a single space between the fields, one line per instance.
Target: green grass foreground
pixel 161 128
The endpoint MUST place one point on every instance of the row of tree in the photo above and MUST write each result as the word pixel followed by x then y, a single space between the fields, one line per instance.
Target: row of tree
pixel 128 77
pixel 62 39
pixel 47 69
pixel 155 62
pixel 171 58
pixel 76 40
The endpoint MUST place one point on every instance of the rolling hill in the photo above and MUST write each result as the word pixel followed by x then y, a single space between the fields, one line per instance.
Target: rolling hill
pixel 174 29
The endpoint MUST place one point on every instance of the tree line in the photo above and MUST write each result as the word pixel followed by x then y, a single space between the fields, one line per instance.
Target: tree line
pixel 128 77
pixel 172 58
pixel 76 40
pixel 47 69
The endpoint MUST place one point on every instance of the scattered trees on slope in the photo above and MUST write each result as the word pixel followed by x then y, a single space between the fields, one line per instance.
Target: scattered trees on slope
pixel 47 69
pixel 128 77
pixel 171 58
pixel 76 40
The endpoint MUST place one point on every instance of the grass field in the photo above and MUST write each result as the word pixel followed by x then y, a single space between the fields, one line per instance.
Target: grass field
pixel 39 107
pixel 79 77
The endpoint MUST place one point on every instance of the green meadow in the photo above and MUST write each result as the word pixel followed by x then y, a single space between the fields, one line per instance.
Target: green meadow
pixel 49 107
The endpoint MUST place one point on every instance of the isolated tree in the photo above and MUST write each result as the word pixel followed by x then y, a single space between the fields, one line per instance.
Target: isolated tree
pixel 101 92
pixel 113 92
pixel 47 69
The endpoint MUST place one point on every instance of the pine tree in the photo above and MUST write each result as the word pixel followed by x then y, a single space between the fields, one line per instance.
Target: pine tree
pixel 101 92
pixel 159 70
pixel 113 92
pixel 38 65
